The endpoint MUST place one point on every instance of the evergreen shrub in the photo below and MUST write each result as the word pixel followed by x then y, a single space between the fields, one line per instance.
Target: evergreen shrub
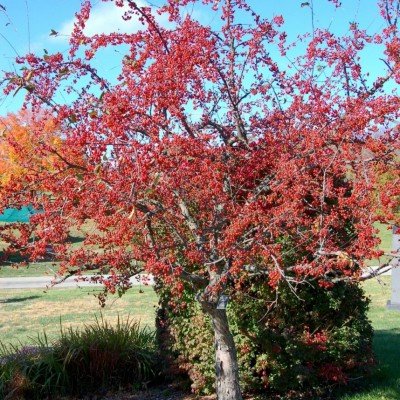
pixel 302 342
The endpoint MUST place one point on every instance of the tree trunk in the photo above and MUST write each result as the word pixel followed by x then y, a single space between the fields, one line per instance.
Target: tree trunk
pixel 226 366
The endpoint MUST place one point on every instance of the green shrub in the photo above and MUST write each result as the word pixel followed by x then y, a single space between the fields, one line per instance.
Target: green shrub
pixel 303 343
pixel 97 357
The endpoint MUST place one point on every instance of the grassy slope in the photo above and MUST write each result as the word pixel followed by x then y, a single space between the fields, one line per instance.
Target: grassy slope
pixel 34 269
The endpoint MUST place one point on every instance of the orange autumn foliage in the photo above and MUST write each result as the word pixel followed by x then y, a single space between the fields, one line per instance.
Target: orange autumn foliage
pixel 28 144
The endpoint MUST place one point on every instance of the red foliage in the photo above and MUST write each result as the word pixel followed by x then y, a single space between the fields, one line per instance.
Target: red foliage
pixel 333 373
pixel 317 340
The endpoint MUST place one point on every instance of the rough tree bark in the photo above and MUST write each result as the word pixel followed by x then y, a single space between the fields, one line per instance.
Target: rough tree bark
pixel 226 365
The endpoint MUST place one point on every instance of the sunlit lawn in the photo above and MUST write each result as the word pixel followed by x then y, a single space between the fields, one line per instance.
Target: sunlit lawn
pixel 24 313
pixel 34 269
pixel 45 268
pixel 385 235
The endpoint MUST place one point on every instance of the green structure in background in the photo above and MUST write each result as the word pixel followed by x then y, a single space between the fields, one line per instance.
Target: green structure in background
pixel 17 215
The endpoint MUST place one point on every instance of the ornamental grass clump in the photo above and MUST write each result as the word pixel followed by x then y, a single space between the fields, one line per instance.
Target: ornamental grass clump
pixel 31 372
pixel 106 355
pixel 95 358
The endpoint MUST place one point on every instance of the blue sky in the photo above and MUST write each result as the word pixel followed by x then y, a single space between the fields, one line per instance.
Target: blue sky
pixel 25 26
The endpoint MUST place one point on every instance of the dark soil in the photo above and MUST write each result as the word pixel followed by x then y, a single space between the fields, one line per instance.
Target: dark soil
pixel 165 392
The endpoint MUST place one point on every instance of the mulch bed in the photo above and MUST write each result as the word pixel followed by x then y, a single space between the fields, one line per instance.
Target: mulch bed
pixel 165 392
pixel 152 394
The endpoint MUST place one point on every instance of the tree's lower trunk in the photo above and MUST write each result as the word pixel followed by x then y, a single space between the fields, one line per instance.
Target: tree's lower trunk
pixel 226 365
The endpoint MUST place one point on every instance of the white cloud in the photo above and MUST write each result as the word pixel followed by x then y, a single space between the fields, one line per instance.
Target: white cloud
pixel 106 18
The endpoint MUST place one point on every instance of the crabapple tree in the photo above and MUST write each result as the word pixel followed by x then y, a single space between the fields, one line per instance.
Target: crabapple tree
pixel 214 146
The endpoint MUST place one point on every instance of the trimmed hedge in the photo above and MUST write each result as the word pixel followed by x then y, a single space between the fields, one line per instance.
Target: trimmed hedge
pixel 298 344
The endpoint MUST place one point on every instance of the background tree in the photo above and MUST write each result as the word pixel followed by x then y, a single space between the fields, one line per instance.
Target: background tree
pixel 31 149
pixel 210 154
pixel 22 146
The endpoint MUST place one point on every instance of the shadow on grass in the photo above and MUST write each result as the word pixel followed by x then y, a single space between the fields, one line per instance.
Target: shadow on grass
pixel 385 377
pixel 75 239
pixel 18 299
pixel 5 259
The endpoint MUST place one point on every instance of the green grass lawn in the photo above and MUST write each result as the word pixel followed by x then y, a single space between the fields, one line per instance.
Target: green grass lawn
pixel 384 384
pixel 385 235
pixel 34 269
pixel 25 313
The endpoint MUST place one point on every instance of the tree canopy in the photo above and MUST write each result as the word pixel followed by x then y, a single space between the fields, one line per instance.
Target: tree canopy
pixel 21 141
